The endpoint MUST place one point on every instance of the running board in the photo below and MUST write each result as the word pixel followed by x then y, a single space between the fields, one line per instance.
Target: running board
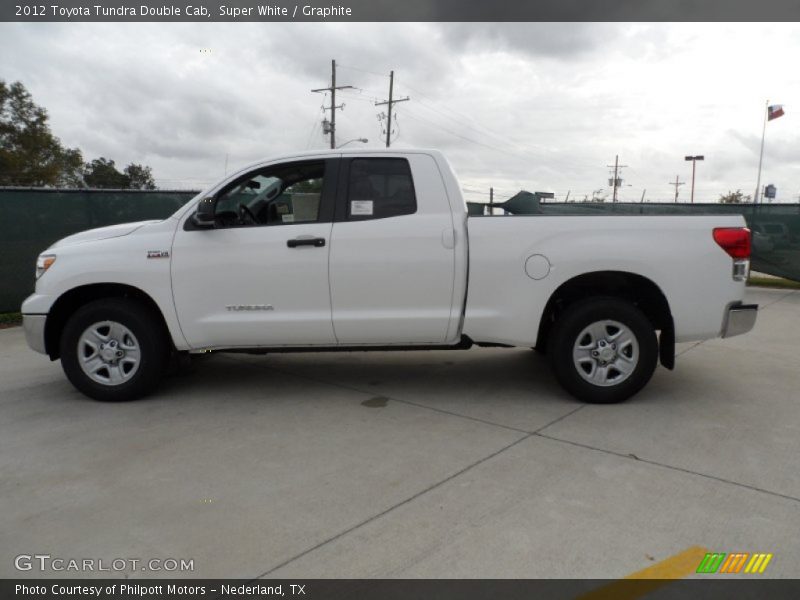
pixel 464 344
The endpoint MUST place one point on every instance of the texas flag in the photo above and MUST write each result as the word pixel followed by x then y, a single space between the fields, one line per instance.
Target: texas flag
pixel 774 111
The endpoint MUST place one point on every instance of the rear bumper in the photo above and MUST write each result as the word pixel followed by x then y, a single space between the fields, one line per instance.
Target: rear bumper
pixel 33 325
pixel 739 319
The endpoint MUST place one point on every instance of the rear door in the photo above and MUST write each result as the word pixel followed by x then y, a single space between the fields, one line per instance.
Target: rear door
pixel 392 260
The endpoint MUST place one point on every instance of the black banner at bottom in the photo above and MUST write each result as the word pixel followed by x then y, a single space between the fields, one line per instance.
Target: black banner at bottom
pixel 397 589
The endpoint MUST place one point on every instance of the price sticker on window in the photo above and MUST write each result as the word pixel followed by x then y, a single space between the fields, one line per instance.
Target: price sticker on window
pixel 361 208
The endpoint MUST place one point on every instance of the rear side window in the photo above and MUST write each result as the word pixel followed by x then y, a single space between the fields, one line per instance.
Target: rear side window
pixel 380 188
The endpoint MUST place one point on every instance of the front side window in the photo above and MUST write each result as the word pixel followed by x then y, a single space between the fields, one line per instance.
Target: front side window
pixel 380 188
pixel 276 195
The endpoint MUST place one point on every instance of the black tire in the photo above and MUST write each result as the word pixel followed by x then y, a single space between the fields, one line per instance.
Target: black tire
pixel 152 343
pixel 575 319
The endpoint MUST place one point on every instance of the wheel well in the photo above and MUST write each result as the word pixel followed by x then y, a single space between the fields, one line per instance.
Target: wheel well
pixel 636 289
pixel 72 300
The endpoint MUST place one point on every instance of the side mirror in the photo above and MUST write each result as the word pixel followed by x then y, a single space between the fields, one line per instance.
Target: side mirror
pixel 204 214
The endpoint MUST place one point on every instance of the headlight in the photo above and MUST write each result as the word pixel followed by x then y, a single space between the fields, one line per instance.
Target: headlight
pixel 44 262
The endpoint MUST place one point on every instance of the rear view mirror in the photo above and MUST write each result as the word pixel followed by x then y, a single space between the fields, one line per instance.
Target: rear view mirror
pixel 204 214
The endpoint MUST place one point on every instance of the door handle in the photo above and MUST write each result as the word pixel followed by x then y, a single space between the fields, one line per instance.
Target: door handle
pixel 306 241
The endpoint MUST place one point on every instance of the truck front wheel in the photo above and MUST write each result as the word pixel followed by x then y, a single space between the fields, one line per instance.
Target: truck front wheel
pixel 114 349
pixel 603 350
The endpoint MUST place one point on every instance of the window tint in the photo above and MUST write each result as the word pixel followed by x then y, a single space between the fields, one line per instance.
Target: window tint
pixel 288 193
pixel 379 188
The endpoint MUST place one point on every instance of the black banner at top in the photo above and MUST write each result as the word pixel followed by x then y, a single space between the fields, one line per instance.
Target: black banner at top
pixel 398 10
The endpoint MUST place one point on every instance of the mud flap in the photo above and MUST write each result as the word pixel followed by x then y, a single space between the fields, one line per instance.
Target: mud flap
pixel 666 348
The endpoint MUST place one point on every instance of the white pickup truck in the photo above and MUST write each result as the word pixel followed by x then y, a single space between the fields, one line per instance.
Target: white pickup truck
pixel 374 250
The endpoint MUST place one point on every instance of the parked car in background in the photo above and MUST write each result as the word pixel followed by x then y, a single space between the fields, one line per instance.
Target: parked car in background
pixel 778 233
pixel 761 241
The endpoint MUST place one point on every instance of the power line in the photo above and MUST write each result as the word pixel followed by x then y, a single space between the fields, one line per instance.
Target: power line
pixel 461 122
pixel 349 68
pixel 311 135
pixel 486 129
pixel 677 183
pixel 359 97
pixel 533 151
pixel 389 103
pixel 332 89
pixel 458 135
pixel 616 182
pixel 481 129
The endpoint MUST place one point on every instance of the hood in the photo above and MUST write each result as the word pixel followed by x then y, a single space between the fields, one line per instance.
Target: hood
pixel 101 233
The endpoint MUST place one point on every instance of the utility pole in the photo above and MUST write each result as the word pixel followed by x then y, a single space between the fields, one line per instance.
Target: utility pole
pixel 491 200
pixel 694 160
pixel 391 101
pixel 332 89
pixel 676 184
pixel 567 198
pixel 617 181
pixel 644 191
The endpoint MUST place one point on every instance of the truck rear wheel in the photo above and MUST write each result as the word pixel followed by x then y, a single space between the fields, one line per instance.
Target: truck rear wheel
pixel 603 350
pixel 114 349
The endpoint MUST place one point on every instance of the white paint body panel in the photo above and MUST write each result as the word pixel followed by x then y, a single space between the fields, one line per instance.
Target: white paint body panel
pixel 392 279
pixel 400 280
pixel 216 268
pixel 121 259
pixel 678 254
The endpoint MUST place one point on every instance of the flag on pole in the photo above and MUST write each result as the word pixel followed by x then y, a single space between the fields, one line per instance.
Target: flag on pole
pixel 774 111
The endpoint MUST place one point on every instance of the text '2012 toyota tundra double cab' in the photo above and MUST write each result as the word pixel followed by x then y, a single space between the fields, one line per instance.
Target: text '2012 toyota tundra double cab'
pixel 374 250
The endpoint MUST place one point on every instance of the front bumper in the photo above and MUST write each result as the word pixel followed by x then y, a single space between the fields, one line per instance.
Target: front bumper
pixel 739 319
pixel 34 331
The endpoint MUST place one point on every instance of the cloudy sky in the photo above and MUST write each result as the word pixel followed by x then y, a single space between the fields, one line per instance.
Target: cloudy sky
pixel 515 106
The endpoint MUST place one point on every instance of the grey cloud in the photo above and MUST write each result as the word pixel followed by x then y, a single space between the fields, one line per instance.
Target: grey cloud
pixel 542 106
pixel 548 40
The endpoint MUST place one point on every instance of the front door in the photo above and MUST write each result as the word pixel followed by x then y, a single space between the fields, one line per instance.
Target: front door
pixel 260 276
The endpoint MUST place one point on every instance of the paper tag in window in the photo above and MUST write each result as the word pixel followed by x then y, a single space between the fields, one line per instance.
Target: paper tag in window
pixel 287 218
pixel 361 208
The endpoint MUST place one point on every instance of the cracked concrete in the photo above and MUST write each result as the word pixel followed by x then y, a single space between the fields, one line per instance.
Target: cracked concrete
pixel 409 464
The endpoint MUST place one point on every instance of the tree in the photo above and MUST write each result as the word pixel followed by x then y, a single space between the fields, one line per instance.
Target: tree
pixel 30 155
pixel 736 197
pixel 102 173
pixel 140 177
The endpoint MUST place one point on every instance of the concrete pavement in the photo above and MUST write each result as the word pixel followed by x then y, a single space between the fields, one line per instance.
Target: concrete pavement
pixel 408 464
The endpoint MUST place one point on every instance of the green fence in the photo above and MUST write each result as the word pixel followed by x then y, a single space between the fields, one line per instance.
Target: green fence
pixel 32 219
pixel 775 227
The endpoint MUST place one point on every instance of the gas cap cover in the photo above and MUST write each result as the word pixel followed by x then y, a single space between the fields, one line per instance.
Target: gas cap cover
pixel 537 266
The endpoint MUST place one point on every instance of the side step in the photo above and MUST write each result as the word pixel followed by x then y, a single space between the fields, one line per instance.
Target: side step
pixel 464 344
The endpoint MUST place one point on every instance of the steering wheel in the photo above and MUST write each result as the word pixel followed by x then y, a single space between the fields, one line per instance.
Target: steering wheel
pixel 245 211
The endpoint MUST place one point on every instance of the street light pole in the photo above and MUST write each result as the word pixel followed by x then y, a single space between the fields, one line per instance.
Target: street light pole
pixel 694 160
pixel 362 140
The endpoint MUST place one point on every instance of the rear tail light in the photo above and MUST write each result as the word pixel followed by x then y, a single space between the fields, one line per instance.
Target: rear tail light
pixel 734 240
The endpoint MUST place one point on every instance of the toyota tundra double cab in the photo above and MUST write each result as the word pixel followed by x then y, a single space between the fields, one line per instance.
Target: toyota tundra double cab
pixel 375 250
